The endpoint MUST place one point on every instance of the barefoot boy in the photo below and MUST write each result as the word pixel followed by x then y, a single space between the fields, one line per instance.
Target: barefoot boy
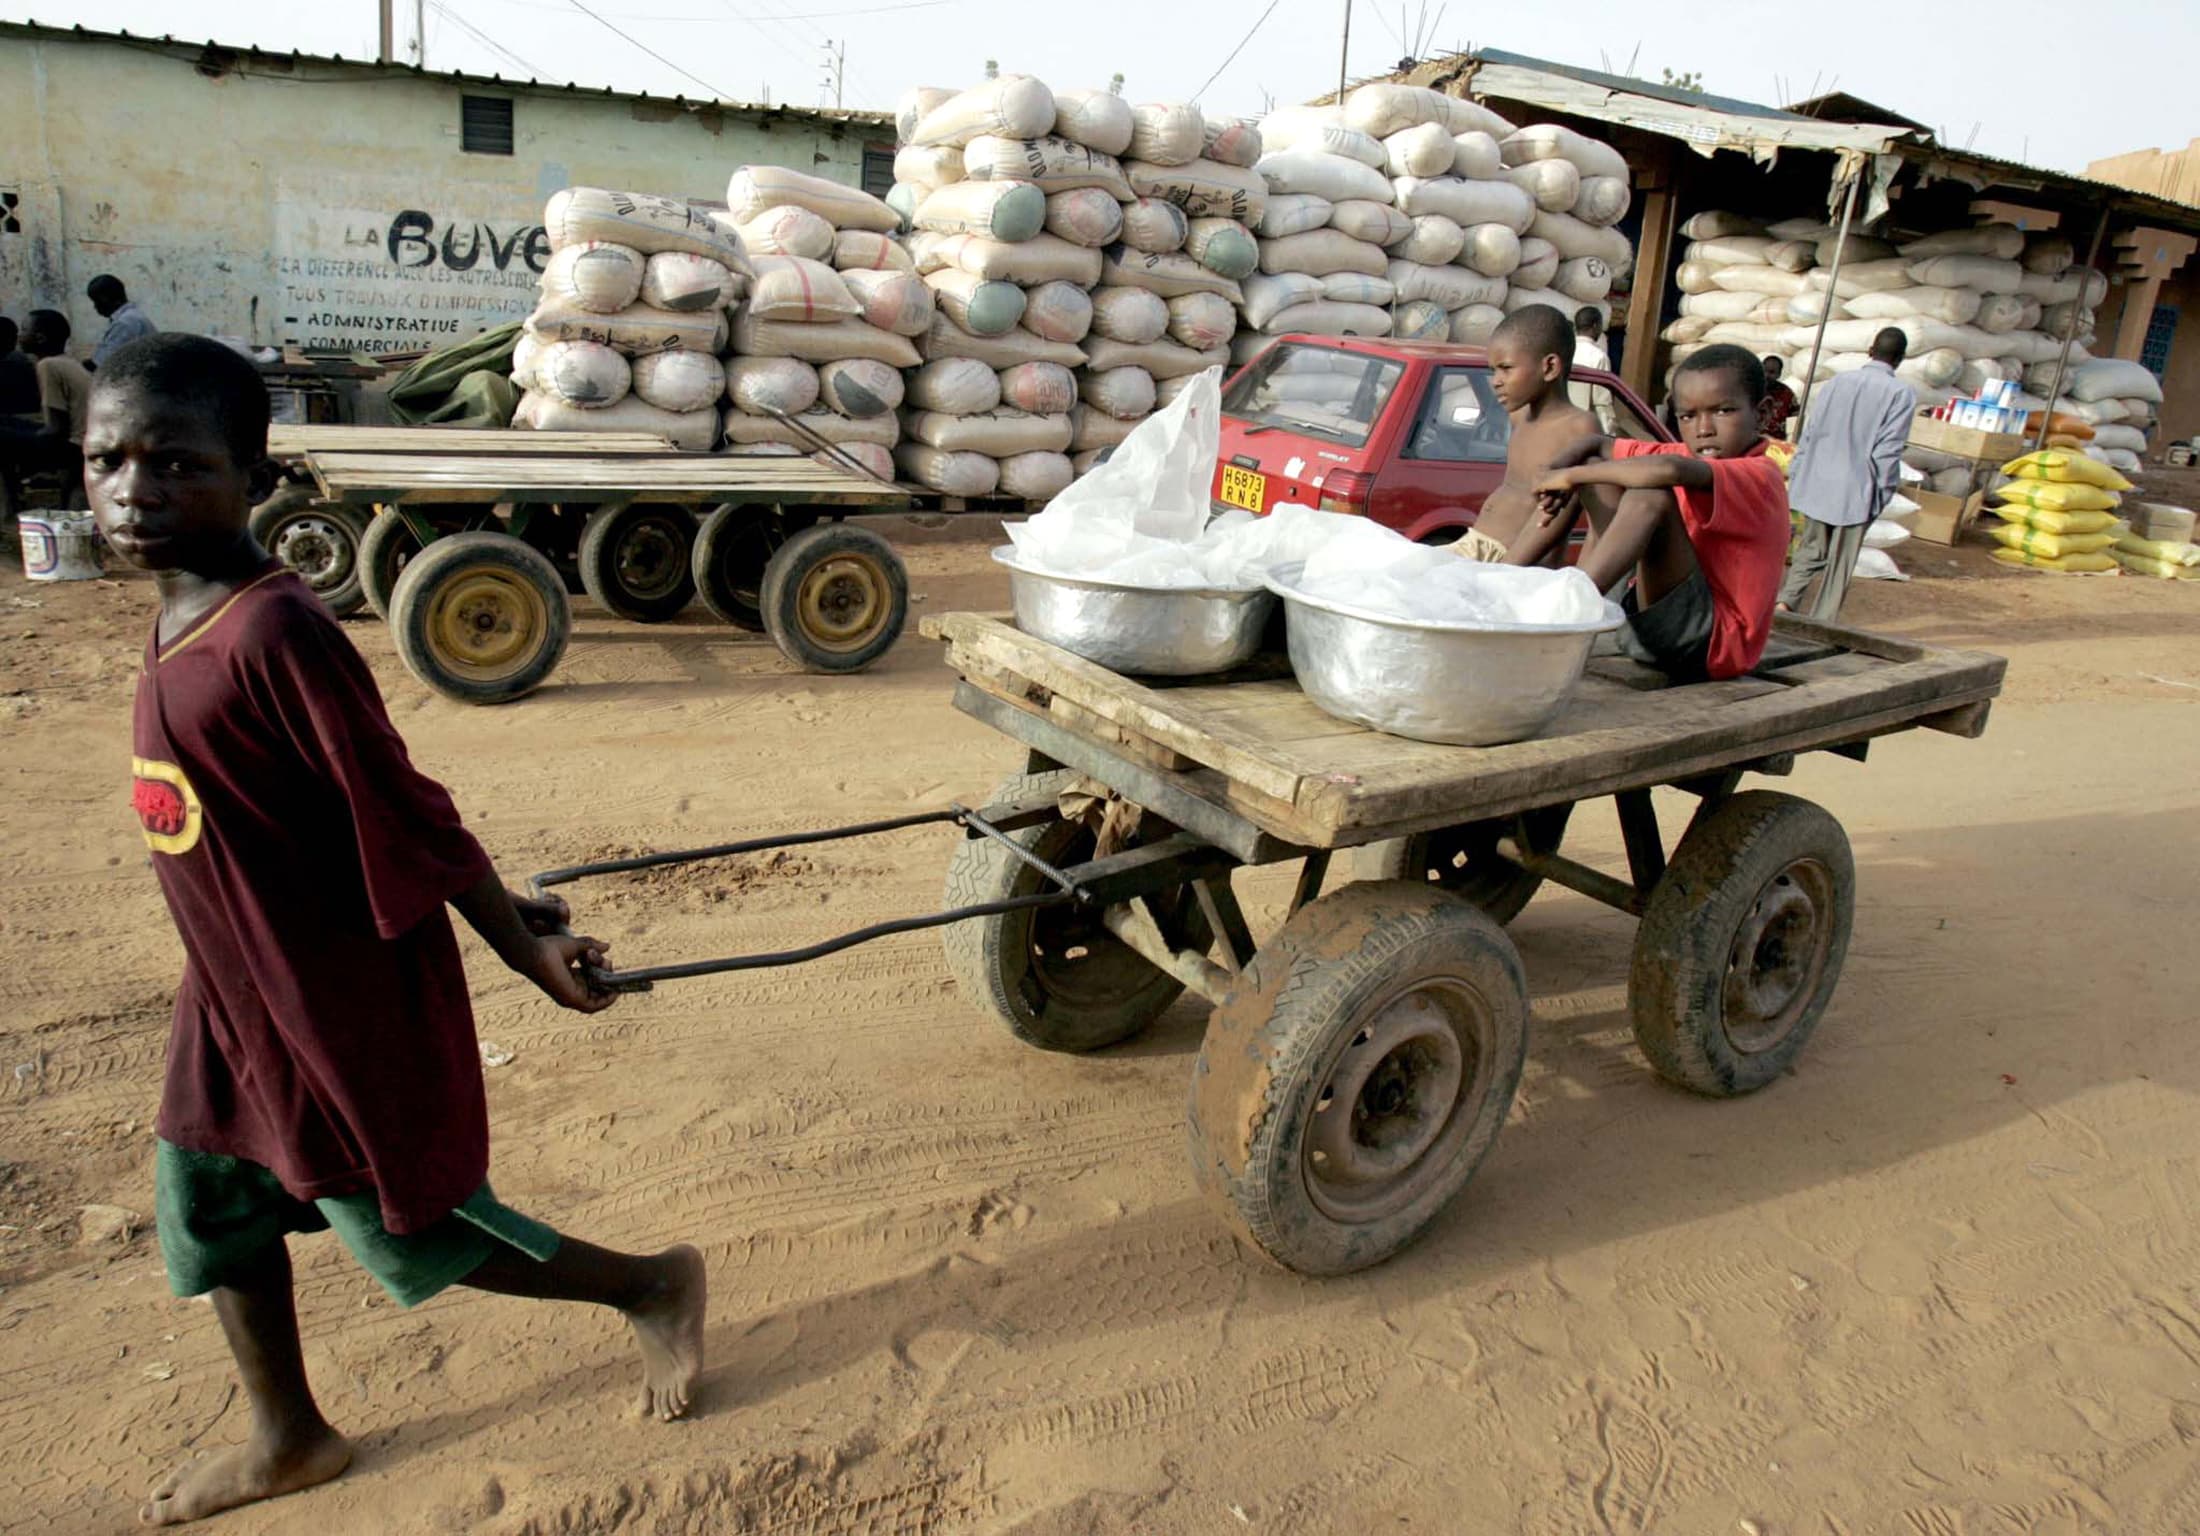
pixel 1531 365
pixel 322 1068
pixel 1702 523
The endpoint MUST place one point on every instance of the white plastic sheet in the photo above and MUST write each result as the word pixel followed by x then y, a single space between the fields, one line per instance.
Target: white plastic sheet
pixel 1372 568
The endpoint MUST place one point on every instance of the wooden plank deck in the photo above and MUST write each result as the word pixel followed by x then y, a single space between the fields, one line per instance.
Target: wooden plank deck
pixel 403 478
pixel 295 442
pixel 1264 751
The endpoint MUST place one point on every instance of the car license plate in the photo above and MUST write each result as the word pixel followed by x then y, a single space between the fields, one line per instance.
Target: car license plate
pixel 1244 487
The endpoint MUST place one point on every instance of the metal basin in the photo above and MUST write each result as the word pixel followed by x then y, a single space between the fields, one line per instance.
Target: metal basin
pixel 1150 631
pixel 1461 684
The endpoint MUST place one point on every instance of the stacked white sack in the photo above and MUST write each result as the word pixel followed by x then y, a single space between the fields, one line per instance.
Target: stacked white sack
pixel 632 320
pixel 1434 211
pixel 826 329
pixel 1977 305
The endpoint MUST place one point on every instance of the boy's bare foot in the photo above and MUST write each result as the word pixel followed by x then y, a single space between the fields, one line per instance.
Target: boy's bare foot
pixel 250 1472
pixel 669 1328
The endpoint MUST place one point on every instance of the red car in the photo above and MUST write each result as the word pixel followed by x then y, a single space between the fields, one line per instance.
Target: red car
pixel 1406 432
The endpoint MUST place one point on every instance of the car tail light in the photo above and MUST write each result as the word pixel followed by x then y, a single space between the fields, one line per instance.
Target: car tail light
pixel 1347 490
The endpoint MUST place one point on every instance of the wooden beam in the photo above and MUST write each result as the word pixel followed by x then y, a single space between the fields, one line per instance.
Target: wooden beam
pixel 1646 298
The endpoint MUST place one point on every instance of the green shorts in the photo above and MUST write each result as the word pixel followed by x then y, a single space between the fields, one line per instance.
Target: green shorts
pixel 217 1214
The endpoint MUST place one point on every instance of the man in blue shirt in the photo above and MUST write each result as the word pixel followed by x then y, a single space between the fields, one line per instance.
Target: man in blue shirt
pixel 1846 470
pixel 125 321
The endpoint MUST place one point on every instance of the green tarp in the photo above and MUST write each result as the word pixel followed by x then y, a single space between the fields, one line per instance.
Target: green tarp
pixel 468 385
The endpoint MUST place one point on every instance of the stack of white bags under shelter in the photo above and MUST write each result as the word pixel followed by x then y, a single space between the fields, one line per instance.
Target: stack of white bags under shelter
pixel 1407 212
pixel 632 319
pixel 1978 305
pixel 1083 251
pixel 828 324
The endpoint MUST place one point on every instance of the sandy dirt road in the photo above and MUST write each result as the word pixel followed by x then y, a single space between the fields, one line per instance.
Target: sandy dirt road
pixel 1940 1282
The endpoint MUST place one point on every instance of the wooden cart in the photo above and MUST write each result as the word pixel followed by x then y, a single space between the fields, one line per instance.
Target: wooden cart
pixel 471 555
pixel 1362 1059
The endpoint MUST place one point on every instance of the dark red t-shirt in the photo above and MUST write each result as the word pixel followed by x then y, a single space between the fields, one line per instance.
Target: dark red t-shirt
pixel 1740 534
pixel 322 1028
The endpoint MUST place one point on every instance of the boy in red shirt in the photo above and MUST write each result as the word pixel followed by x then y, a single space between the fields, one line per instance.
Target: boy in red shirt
pixel 1708 560
pixel 322 1067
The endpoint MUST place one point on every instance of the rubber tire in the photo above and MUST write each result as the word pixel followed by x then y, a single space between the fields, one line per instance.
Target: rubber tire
pixel 292 503
pixel 601 536
pixel 729 576
pixel 1676 984
pixel 1270 1044
pixel 988 955
pixel 782 598
pixel 448 558
pixel 1503 893
pixel 385 547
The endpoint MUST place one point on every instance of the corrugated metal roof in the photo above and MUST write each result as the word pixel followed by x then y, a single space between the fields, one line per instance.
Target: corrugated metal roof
pixel 217 57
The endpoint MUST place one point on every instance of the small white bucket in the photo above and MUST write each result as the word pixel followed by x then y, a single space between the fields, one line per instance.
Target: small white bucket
pixel 59 546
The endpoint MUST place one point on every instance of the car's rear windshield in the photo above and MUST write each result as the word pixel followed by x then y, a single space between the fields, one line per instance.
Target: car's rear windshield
pixel 1323 392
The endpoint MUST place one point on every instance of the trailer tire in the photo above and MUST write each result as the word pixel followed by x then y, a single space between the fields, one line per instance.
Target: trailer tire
pixel 835 598
pixel 480 617
pixel 1357 1075
pixel 1741 943
pixel 732 548
pixel 1466 861
pixel 319 540
pixel 1055 977
pixel 635 560
pixel 385 547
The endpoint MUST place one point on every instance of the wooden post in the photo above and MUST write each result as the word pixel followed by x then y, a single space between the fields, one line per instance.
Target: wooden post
pixel 1833 290
pixel 2070 335
pixel 389 31
pixel 1646 299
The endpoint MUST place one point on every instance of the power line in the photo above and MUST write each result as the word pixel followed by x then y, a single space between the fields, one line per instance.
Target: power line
pixel 450 15
pixel 864 10
pixel 716 94
pixel 1234 52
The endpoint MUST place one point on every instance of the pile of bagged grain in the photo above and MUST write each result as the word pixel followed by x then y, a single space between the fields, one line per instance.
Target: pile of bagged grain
pixel 632 320
pixel 1077 246
pixel 1411 213
pixel 827 326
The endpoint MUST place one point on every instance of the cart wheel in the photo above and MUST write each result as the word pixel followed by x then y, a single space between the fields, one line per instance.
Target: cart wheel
pixel 634 560
pixel 1356 1076
pixel 480 617
pixel 317 539
pixel 1741 943
pixel 1054 976
pixel 384 548
pixel 731 550
pixel 835 598
pixel 1467 861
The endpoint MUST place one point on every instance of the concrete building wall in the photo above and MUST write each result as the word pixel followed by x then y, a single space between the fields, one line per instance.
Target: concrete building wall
pixel 2181 375
pixel 2175 174
pixel 280 200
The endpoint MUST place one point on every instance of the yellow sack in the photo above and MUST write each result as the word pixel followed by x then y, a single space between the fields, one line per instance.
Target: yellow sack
pixel 1781 453
pixel 2147 565
pixel 2039 542
pixel 2171 551
pixel 2054 513
pixel 2060 464
pixel 2068 564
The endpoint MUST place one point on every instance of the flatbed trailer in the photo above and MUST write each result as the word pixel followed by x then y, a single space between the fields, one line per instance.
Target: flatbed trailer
pixel 1360 1062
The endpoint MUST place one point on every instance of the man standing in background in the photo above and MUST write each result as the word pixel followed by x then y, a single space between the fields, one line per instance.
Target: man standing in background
pixel 1846 470
pixel 1589 352
pixel 125 321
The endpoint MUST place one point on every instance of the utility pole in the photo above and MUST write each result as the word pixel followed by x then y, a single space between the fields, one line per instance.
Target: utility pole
pixel 420 33
pixel 1344 52
pixel 836 61
pixel 388 54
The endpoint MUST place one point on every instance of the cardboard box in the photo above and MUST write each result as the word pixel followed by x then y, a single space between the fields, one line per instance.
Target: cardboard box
pixel 1941 519
pixel 1969 442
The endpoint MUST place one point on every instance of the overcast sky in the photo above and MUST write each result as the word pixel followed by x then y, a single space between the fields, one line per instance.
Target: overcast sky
pixel 1982 75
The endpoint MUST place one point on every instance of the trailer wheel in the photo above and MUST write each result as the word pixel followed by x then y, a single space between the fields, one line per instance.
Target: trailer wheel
pixel 732 548
pixel 1054 976
pixel 634 560
pixel 835 598
pixel 384 548
pixel 1357 1075
pixel 317 539
pixel 1741 943
pixel 480 617
pixel 1467 861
